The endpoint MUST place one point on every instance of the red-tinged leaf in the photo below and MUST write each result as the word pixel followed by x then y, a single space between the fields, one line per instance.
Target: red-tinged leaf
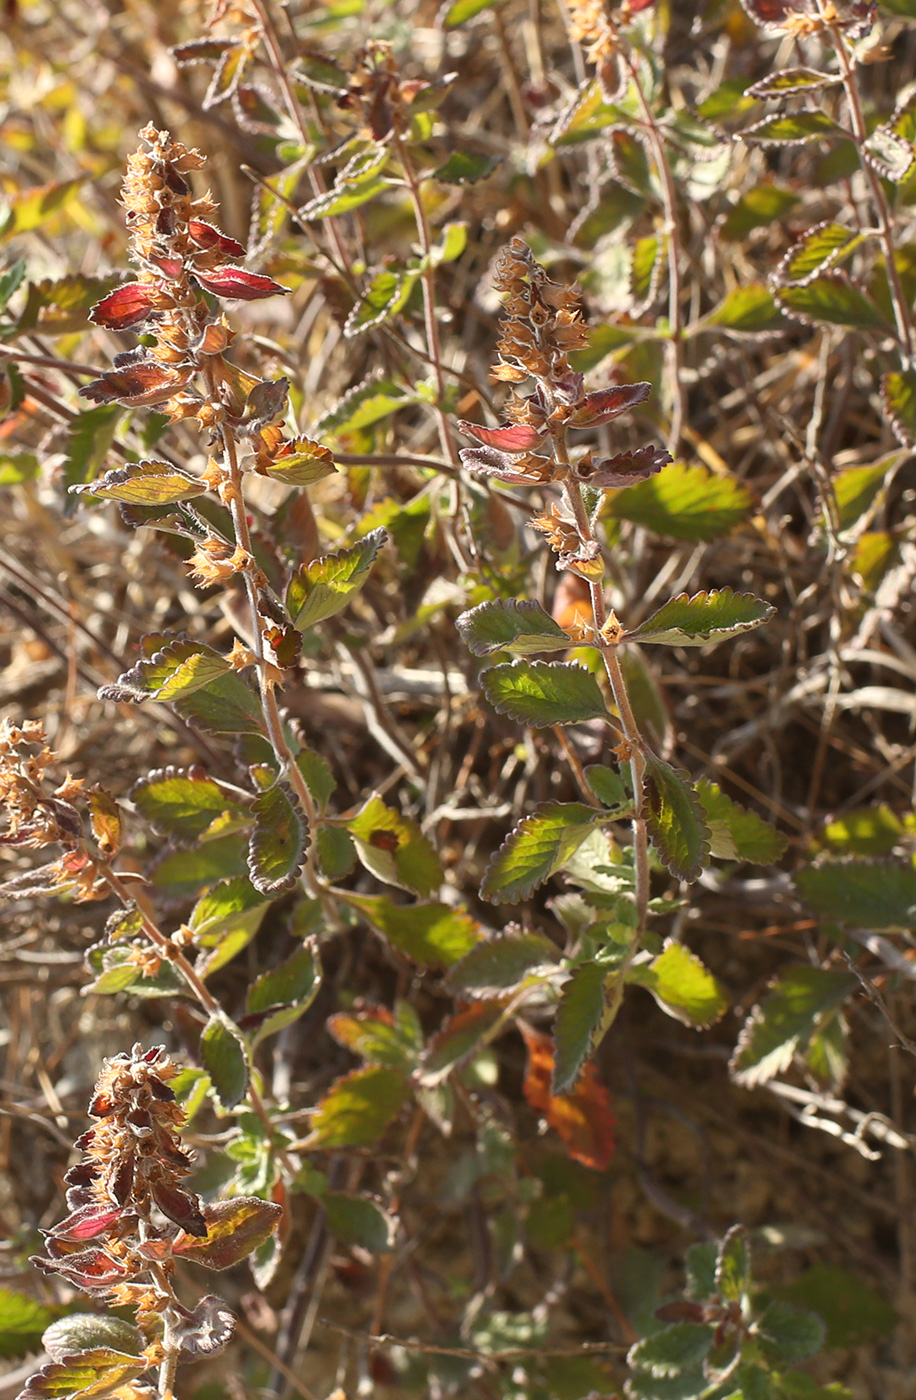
pixel 459 1038
pixel 92 1270
pixel 623 469
pixel 86 1223
pixel 511 437
pixel 358 1108
pixel 200 51
pixel 97 1372
pixel 234 1229
pixel 605 404
pixel 209 237
pixel 208 1330
pixel 583 1119
pixel 183 1207
pixel 137 385
pixel 773 14
pixel 500 464
pixel 124 307
pixel 239 284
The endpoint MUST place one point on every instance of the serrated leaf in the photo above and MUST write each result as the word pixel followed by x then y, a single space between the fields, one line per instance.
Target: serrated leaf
pixel 540 693
pixel 672 1350
pixel 181 802
pixel 176 670
pixel 22 1321
pixel 358 1108
pixel 459 1038
pixel 144 484
pixel 278 842
pixel 224 1059
pixel 791 129
pixel 433 935
pixel 783 1023
pixel 280 996
pixel 675 819
pixel 585 116
pixel 832 298
pixel 511 625
pixel 682 985
pixel 791 80
pixel 735 832
pixel 336 851
pixel 227 705
pixel 820 248
pixel 855 489
pixel 467 167
pixel 536 848
pixel 365 404
pixel 580 1023
pixel 786 1334
pixel 733 1265
pixel 700 1268
pixel 630 162
pixel 704 618
pixel 322 587
pixel 100 1371
pixel 394 848
pixel 502 963
pixel 898 395
pixel 90 436
pixel 380 1037
pixel 684 502
pixel 358 1220
pixel 234 1229
pixel 746 310
pixel 83 1331
pixel 305 464
pixel 872 894
pixel 344 197
pixel 387 294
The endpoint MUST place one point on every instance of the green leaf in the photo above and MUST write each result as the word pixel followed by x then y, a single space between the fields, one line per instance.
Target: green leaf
pixel 791 80
pixel 227 705
pixel 83 1331
pixel 502 963
pixel 823 246
pixel 607 785
pixel 452 242
pixel 434 935
pixel 234 1229
pixel 759 207
pixel 365 404
pixel 580 1023
pixel 178 873
pixel 878 894
pixel 511 625
pixel 682 986
pixel 540 693
pixel 305 465
pixel 629 161
pixel 224 1059
pixel 11 279
pixel 460 11
pixel 585 116
pixel 379 1037
pixel 387 294
pixel 746 310
pixel 786 1334
pixel 706 617
pixel 91 434
pixel 316 771
pixel 898 395
pixel 358 1108
pixel 863 831
pixel 700 1266
pixel 538 847
pixel 853 1312
pixel 672 1350
pixel 31 207
pixel 733 1265
pixel 792 129
pixel 182 803
pixel 280 996
pixel 322 587
pixel 100 1371
pixel 336 851
pixel 735 832
pixel 22 1320
pixel 144 484
pixel 855 489
pixel 221 909
pixel 674 816
pixel 358 1220
pixel 394 848
pixel 459 1038
pixel 175 670
pixel 343 197
pixel 833 299
pixel 784 1022
pixel 684 502
pixel 279 840
pixel 467 167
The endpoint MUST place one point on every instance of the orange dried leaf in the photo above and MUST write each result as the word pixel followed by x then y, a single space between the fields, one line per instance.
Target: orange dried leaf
pixel 583 1119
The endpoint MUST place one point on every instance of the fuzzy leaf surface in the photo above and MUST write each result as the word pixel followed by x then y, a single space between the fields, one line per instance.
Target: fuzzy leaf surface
pixel 511 625
pixel 99 1371
pixel 281 995
pixel 322 587
pixel 358 1108
pixel 684 502
pixel 879 894
pixel 735 832
pixel 278 842
pixel 394 848
pixel 583 1005
pixel 502 963
pixel 833 299
pixel 675 818
pixel 682 985
pixel 234 1229
pixel 181 803
pixel 224 1059
pixel 706 617
pixel 433 935
pixel 176 670
pixel 537 848
pixel 784 1022
pixel 540 693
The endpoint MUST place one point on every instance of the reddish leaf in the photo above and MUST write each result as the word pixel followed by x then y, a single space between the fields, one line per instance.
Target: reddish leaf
pixel 605 404
pixel 511 437
pixel 234 1229
pixel 124 307
pixel 623 469
pixel 501 465
pixel 207 236
pixel 583 1119
pixel 238 283
pixel 181 1206
pixel 86 1223
pixel 138 384
pixel 92 1270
